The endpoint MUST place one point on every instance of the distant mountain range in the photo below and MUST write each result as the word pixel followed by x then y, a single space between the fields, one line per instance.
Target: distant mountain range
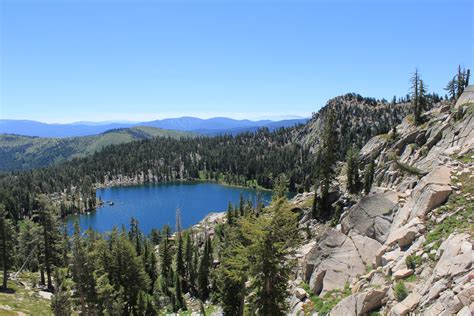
pixel 26 152
pixel 212 126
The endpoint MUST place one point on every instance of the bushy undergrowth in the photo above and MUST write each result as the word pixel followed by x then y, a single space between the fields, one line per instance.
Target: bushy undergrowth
pixel 324 304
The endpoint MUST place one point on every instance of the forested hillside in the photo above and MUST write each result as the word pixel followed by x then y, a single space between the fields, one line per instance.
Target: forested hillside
pixel 19 152
pixel 357 119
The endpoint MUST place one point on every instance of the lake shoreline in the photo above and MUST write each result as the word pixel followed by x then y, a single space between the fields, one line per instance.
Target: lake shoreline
pixel 154 204
pixel 129 182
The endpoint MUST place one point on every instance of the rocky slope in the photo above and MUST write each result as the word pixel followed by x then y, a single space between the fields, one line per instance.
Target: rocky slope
pixel 406 247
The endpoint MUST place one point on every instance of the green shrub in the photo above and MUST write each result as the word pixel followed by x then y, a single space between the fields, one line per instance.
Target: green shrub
pixel 392 156
pixel 324 304
pixel 409 169
pixel 401 291
pixel 412 261
pixel 411 278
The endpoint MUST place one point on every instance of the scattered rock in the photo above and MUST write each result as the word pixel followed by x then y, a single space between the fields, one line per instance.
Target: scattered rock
pixel 360 304
pixel 402 274
pixel 406 306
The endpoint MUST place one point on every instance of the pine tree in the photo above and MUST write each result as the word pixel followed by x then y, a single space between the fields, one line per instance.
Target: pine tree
pixel 126 270
pixel 61 300
pixel 280 187
pixel 460 82
pixel 150 263
pixel 230 214
pixel 326 160
pixel 165 259
pixel 188 262
pixel 7 248
pixel 180 270
pixel 423 102
pixel 204 269
pixel 232 273
pixel 456 85
pixel 110 299
pixel 369 176
pixel 353 179
pixel 193 273
pixel 51 238
pixel 135 235
pixel 241 204
pixel 178 294
pixel 82 272
pixel 142 303
pixel 273 238
pixel 451 88
pixel 415 87
pixel 29 238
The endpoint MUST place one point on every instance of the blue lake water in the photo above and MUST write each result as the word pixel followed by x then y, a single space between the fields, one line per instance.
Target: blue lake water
pixel 154 205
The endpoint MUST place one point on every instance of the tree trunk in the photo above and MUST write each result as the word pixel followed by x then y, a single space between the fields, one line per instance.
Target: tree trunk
pixel 48 274
pixel 4 254
pixel 42 281
pixel 46 258
pixel 5 278
pixel 83 302
pixel 242 305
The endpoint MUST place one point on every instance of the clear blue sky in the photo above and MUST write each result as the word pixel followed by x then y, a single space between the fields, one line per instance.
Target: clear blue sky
pixel 73 60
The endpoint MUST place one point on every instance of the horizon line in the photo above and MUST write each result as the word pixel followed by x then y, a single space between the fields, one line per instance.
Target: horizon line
pixel 251 116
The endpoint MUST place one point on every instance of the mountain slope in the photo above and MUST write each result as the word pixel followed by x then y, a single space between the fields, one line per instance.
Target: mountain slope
pixel 24 152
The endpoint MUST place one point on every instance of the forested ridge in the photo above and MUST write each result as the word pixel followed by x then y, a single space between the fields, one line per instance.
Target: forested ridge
pixel 19 152
pixel 243 266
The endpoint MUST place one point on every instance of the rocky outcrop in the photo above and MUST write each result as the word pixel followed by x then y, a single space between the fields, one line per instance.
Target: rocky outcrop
pixel 466 97
pixel 373 148
pixel 360 303
pixel 406 306
pixel 429 193
pixel 337 259
pixel 371 216
pixel 455 257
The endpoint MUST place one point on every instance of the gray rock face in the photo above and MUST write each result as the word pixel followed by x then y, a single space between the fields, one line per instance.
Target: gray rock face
pixel 336 259
pixel 405 235
pixel 429 193
pixel 406 306
pixel 372 148
pixel 371 216
pixel 449 138
pixel 360 303
pixel 409 138
pixel 466 97
pixel 456 257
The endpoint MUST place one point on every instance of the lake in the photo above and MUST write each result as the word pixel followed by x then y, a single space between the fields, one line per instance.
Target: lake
pixel 154 205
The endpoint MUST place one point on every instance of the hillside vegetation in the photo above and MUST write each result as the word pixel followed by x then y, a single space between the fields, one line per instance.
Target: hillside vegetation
pixel 24 152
